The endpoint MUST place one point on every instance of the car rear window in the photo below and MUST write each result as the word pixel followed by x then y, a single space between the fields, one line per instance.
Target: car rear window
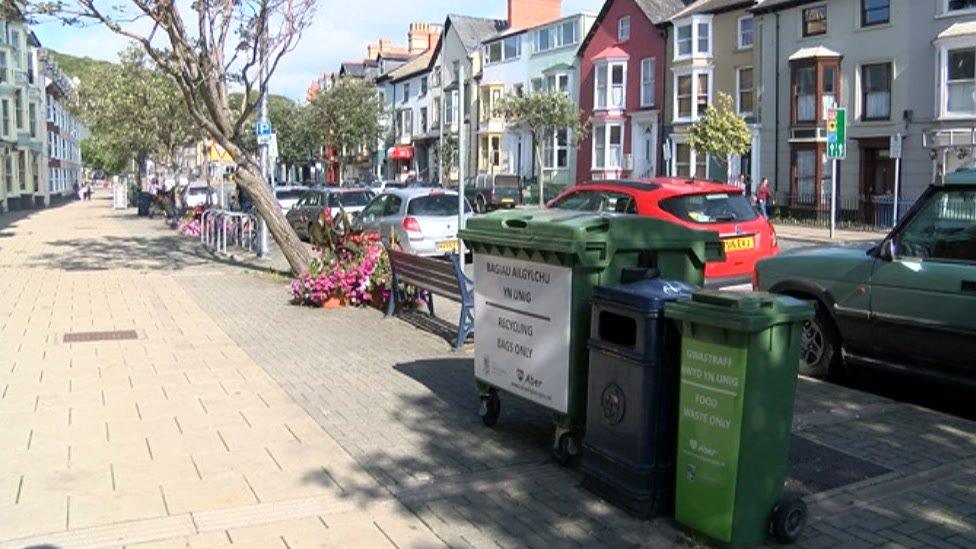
pixel 435 205
pixel 710 208
pixel 289 195
pixel 354 199
pixel 197 191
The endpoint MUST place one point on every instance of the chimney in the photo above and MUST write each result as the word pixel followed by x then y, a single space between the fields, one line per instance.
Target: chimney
pixel 385 45
pixel 523 14
pixel 373 50
pixel 422 37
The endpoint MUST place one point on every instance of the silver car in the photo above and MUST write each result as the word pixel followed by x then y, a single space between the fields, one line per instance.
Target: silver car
pixel 288 196
pixel 308 211
pixel 418 221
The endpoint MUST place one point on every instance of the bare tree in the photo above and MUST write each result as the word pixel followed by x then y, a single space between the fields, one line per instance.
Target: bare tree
pixel 209 48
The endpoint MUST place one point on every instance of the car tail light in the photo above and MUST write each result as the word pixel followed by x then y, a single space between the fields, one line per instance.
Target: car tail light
pixel 411 225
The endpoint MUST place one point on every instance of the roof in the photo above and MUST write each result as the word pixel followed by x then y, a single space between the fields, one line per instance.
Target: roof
pixel 558 67
pixel 964 28
pixel 353 68
pixel 416 65
pixel 473 30
pixel 713 6
pixel 766 6
pixel 613 52
pixel 656 11
pixel 813 52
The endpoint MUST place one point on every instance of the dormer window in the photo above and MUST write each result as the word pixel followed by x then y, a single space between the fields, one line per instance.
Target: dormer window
pixel 693 37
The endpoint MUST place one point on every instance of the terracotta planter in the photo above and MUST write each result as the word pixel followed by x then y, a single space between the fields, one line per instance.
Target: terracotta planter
pixel 377 301
pixel 334 302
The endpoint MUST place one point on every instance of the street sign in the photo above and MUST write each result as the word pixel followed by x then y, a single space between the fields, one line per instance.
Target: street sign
pixel 262 130
pixel 894 148
pixel 837 134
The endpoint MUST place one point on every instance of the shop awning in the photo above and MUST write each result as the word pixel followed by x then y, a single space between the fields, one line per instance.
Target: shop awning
pixel 404 152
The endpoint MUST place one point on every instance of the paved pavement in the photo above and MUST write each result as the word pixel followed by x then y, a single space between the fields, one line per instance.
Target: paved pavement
pixel 321 427
pixel 821 235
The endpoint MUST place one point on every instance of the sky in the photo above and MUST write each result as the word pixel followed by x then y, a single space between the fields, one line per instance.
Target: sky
pixel 341 31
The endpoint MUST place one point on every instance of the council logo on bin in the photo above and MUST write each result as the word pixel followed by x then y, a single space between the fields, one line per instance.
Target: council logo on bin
pixel 520 374
pixel 613 402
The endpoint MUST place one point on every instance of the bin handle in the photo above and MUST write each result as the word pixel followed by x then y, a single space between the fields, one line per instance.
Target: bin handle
pixel 515 224
pixel 717 298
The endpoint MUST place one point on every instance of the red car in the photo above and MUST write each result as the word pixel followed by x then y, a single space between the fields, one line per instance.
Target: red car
pixel 747 236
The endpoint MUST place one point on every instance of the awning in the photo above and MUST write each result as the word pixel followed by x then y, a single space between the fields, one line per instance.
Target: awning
pixel 404 152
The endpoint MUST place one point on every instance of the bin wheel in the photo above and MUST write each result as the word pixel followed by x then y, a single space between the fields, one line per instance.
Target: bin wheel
pixel 567 449
pixel 789 518
pixel 491 407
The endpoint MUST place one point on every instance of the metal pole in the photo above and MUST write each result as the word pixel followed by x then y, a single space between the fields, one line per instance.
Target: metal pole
pixel 461 166
pixel 897 181
pixel 262 224
pixel 440 127
pixel 833 199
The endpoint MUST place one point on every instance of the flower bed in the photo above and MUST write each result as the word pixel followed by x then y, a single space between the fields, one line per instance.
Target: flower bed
pixel 189 224
pixel 352 268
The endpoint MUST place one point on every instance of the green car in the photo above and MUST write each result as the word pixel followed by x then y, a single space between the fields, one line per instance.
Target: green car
pixel 907 303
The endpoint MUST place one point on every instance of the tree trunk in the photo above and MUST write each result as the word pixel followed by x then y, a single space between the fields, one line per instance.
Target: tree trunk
pixel 538 164
pixel 293 249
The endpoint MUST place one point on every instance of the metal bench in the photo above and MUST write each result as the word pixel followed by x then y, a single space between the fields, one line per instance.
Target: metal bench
pixel 434 276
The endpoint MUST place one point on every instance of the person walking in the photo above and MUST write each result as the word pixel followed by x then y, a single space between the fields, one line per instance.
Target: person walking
pixel 762 197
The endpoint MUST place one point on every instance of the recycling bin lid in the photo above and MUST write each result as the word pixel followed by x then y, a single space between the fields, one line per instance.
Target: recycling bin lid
pixel 593 238
pixel 643 296
pixel 740 311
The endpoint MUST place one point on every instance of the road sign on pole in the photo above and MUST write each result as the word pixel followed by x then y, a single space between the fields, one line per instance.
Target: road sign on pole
pixel 837 134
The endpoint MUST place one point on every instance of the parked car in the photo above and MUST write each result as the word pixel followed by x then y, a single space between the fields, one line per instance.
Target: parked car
pixel 746 235
pixel 492 191
pixel 906 303
pixel 197 194
pixel 417 220
pixel 288 195
pixel 307 212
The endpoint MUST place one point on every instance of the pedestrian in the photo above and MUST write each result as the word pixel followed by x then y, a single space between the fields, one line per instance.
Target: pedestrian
pixel 88 191
pixel 743 183
pixel 77 190
pixel 762 197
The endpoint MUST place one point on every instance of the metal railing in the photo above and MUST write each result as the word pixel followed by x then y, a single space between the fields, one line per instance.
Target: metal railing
pixel 222 228
pixel 860 212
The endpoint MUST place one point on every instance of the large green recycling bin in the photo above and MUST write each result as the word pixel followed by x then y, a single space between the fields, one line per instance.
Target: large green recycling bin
pixel 534 271
pixel 739 359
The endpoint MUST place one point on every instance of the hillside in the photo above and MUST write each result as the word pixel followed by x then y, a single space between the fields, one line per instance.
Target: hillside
pixel 80 67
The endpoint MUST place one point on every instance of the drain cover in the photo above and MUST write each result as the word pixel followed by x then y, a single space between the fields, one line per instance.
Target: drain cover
pixel 816 468
pixel 82 337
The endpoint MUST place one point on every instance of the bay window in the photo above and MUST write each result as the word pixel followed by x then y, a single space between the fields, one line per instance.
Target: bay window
pixel 693 37
pixel 611 85
pixel 961 82
pixel 815 89
pixel 558 83
pixel 876 91
pixel 608 146
pixel 555 155
pixel 693 93
pixel 684 96
pixel 744 90
pixel 689 162
pixel 806 94
pixel 702 94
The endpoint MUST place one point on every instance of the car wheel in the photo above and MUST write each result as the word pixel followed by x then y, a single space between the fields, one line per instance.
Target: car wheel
pixel 820 355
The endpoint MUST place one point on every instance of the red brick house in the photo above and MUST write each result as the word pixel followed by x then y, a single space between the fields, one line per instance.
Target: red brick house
pixel 622 73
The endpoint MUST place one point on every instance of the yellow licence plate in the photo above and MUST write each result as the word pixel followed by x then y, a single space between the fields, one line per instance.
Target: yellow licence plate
pixel 743 243
pixel 508 201
pixel 448 246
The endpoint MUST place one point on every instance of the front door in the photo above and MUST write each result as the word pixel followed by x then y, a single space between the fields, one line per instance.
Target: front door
pixel 922 301
pixel 644 150
pixel 877 185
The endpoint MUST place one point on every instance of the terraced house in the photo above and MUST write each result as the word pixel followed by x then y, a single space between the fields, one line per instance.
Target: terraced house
pixel 539 58
pixel 712 49
pixel 21 103
pixel 898 66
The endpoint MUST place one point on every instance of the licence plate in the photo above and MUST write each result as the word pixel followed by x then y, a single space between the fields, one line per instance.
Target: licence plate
pixel 743 243
pixel 448 246
pixel 508 201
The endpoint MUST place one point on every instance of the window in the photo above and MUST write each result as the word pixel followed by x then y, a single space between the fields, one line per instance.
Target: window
pixel 597 201
pixel 32 119
pixel 435 115
pixel 30 67
pixel 8 172
pixel 961 81
pixel 875 12
pixel 35 172
pixel 943 229
pixel 450 107
pixel 613 96
pixel 558 83
pixel 22 169
pixel 647 82
pixel 806 94
pixel 815 21
pixel 406 122
pixel 491 151
pixel 555 153
pixel 684 96
pixel 3 66
pixel 682 160
pixel 456 70
pixel 423 120
pixel 702 95
pixel 710 208
pixel 19 109
pixel 556 36
pixel 538 83
pixel 959 5
pixel 423 86
pixel 744 90
pixel 806 176
pixel 747 32
pixel 503 50
pixel 683 38
pixel 876 91
pixel 623 29
pixel 406 93
pixel 5 116
pixel 608 146
pixel 704 38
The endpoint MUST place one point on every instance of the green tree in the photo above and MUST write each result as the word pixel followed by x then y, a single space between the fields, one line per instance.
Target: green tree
pixel 448 149
pixel 348 117
pixel 544 114
pixel 299 139
pixel 720 132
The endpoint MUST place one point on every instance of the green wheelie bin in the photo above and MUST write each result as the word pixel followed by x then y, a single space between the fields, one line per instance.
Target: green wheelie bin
pixel 534 272
pixel 739 358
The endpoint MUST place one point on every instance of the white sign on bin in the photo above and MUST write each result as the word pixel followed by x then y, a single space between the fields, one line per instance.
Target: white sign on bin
pixel 522 318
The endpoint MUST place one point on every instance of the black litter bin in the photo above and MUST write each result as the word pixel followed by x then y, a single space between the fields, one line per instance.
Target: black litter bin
pixel 145 201
pixel 632 399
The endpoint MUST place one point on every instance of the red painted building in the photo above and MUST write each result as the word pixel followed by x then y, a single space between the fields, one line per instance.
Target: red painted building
pixel 622 73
